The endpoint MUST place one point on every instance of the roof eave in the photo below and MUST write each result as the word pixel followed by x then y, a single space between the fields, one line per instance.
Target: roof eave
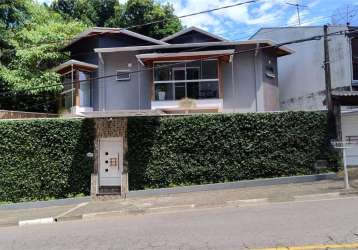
pixel 285 50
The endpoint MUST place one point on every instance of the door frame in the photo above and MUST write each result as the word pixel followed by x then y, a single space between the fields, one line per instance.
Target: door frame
pixel 120 161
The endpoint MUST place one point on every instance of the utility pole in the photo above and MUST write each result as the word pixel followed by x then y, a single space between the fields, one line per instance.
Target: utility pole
pixel 297 5
pixel 327 71
pixel 334 109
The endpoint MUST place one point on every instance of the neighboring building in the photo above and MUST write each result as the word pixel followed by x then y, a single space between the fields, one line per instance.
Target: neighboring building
pixel 301 75
pixel 129 71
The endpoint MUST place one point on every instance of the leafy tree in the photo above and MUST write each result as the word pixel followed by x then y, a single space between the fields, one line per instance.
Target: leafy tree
pixel 140 12
pixel 35 51
pixel 91 12
pixel 112 14
pixel 12 13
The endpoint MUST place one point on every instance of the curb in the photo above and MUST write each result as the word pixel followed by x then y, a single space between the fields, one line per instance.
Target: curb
pixel 232 185
pixel 42 204
pixel 48 220
pixel 310 197
pixel 179 208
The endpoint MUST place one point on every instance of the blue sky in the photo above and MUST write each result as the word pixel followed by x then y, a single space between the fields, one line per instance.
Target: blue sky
pixel 240 22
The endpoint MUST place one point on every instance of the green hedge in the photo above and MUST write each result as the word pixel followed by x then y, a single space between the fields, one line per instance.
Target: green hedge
pixel 42 159
pixel 216 148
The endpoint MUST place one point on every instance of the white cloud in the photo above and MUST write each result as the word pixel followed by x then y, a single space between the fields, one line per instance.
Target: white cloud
pixel 225 21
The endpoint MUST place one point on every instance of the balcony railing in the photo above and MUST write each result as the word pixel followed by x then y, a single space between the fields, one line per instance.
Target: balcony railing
pixel 177 90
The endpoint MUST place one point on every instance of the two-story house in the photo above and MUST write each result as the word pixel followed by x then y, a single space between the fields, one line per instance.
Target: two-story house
pixel 114 70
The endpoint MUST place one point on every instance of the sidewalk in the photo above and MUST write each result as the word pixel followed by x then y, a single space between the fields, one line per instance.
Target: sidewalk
pixel 325 189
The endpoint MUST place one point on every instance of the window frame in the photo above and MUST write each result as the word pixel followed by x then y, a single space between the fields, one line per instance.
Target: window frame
pixel 186 81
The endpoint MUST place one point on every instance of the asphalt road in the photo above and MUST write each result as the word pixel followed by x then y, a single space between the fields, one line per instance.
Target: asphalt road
pixel 260 226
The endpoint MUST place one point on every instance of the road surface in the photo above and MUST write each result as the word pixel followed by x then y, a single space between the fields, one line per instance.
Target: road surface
pixel 328 222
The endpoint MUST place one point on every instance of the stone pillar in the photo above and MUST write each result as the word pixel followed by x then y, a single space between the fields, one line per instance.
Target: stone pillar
pixel 94 185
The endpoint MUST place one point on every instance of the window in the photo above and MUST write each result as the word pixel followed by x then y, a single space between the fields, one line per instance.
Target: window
pixel 178 80
pixel 123 75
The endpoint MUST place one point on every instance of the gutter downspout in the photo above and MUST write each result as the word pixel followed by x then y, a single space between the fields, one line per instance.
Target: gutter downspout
pixel 101 82
pixel 350 61
pixel 139 80
pixel 233 79
pixel 255 74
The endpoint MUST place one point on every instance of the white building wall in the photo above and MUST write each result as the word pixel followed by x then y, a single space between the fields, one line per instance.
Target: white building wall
pixel 301 75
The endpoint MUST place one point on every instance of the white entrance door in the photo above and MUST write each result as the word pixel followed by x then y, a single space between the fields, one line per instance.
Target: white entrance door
pixel 111 161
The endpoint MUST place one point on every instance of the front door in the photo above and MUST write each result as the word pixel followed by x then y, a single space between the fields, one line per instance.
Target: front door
pixel 111 161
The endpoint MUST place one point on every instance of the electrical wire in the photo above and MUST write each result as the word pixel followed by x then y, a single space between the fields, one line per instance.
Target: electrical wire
pixel 313 38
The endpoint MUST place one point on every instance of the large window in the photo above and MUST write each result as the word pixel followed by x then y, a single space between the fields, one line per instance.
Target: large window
pixel 69 89
pixel 68 93
pixel 177 80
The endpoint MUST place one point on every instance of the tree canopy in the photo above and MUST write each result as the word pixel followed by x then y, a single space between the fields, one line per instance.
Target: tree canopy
pixel 33 50
pixel 111 13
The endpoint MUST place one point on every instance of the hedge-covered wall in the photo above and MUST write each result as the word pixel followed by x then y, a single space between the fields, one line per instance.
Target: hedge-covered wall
pixel 45 158
pixel 214 148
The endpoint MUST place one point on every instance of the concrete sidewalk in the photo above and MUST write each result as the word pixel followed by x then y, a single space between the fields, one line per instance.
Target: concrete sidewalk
pixel 325 189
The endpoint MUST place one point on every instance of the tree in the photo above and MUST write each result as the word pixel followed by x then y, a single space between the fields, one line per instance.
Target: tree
pixel 140 12
pixel 12 13
pixel 112 14
pixel 91 12
pixel 35 50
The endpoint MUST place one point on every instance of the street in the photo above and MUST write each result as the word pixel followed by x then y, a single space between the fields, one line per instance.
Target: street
pixel 327 222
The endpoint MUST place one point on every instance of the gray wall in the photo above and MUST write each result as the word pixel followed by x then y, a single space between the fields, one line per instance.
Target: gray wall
pixel 192 37
pixel 84 51
pixel 301 75
pixel 245 85
pixel 239 84
pixel 133 94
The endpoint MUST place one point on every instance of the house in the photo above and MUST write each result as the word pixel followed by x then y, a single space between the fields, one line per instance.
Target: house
pixel 302 76
pixel 117 70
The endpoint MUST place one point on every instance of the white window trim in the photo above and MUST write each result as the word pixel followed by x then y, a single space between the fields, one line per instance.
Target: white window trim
pixel 180 81
pixel 184 68
pixel 123 71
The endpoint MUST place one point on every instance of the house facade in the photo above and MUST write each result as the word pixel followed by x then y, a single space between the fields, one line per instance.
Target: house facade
pixel 114 70
pixel 302 76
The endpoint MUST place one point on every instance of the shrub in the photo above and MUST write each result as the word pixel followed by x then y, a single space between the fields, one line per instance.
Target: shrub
pixel 226 147
pixel 44 158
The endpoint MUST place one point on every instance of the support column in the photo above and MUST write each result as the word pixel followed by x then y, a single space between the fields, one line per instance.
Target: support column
pixel 77 88
pixel 221 82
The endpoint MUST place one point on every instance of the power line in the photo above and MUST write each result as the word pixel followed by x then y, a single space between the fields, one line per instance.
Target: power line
pixel 162 20
pixel 313 38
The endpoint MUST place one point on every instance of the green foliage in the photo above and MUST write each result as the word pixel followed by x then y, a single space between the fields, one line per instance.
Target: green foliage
pixel 217 148
pixel 137 12
pixel 113 14
pixel 12 13
pixel 91 12
pixel 34 51
pixel 45 158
